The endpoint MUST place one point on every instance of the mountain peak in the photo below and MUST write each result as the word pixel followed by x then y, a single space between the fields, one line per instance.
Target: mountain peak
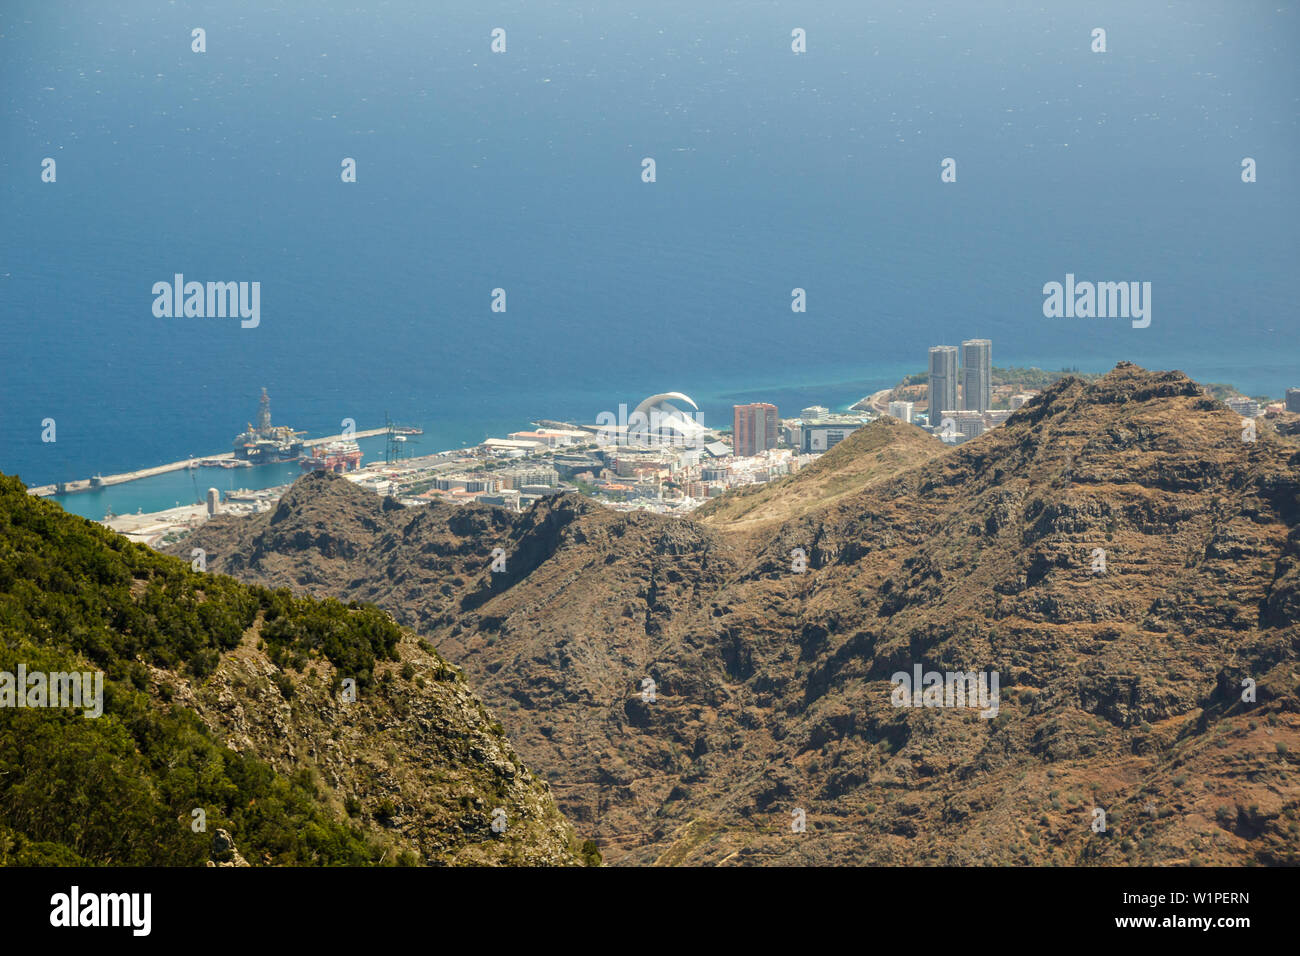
pixel 325 490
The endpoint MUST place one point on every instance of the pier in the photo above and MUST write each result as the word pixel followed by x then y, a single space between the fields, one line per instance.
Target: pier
pixel 105 481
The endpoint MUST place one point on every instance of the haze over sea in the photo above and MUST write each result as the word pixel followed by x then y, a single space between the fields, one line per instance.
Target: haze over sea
pixel 522 171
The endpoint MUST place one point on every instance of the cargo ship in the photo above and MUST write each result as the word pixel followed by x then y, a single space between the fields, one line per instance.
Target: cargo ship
pixel 267 442
pixel 336 456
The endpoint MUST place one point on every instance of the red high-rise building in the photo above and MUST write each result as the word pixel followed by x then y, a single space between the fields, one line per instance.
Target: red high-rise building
pixel 755 428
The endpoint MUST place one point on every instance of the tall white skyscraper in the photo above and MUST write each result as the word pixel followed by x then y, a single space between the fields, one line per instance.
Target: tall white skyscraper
pixel 943 380
pixel 977 374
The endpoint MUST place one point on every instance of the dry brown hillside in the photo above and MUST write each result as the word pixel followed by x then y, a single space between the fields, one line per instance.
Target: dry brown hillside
pixel 880 450
pixel 1120 691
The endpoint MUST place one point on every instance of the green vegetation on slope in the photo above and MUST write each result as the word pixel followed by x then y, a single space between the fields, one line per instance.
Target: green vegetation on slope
pixel 119 789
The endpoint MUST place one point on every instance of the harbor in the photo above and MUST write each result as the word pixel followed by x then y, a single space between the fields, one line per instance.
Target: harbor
pixel 264 444
pixel 225 459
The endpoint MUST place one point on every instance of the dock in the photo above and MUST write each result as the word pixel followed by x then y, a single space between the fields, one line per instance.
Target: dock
pixel 104 481
pixel 368 433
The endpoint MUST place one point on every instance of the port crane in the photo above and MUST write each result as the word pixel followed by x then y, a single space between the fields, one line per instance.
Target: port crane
pixel 397 438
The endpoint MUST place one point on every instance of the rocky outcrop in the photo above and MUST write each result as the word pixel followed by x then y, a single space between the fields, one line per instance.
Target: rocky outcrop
pixel 224 852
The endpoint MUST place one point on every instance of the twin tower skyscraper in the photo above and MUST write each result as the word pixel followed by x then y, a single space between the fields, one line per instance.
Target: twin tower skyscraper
pixel 976 377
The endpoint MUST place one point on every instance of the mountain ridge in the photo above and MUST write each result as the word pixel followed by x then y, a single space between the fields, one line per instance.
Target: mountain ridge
pixel 773 690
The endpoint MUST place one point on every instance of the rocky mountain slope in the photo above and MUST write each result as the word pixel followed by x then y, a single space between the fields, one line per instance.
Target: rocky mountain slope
pixel 1125 563
pixel 239 726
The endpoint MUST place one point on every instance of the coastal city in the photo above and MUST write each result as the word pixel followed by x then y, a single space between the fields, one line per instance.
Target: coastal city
pixel 538 437
pixel 660 457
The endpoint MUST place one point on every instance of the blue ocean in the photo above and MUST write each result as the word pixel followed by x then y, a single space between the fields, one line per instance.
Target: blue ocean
pixel 523 170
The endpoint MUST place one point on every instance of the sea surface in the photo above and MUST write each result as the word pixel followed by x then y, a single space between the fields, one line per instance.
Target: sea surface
pixel 523 171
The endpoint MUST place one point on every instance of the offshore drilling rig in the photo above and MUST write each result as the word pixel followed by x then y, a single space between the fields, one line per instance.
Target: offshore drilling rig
pixel 267 442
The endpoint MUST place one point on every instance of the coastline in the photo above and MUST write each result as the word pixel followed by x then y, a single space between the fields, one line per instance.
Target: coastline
pixel 161 487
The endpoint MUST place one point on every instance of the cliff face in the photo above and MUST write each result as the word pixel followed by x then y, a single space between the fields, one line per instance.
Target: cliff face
pixel 228 735
pixel 1115 553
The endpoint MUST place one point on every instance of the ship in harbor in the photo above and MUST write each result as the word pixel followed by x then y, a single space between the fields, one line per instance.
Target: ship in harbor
pixel 267 442
pixel 339 457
